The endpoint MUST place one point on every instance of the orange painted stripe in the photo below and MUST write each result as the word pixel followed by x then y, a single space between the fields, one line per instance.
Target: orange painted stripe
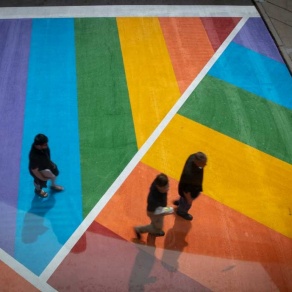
pixel 217 231
pixel 188 45
pixel 214 221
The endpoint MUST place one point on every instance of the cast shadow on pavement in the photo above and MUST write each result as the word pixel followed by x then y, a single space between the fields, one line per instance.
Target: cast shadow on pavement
pixel 33 223
pixel 142 267
pixel 175 243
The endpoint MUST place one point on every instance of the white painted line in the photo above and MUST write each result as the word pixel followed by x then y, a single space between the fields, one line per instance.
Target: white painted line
pixel 53 265
pixel 24 272
pixel 129 11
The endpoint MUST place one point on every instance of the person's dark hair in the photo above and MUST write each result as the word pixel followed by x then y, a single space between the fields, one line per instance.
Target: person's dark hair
pixel 40 139
pixel 161 180
pixel 200 156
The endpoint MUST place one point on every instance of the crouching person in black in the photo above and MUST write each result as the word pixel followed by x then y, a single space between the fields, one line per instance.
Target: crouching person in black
pixel 41 167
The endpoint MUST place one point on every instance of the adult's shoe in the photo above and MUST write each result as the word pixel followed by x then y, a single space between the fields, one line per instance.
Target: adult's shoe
pixel 184 215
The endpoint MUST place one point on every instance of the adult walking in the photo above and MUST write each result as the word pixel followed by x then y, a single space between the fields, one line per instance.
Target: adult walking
pixel 191 183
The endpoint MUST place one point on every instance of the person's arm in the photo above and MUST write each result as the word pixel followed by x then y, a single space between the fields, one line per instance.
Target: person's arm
pixel 188 197
pixel 38 174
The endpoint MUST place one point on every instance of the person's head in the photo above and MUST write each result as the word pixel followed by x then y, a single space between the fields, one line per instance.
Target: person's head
pixel 161 182
pixel 200 159
pixel 41 141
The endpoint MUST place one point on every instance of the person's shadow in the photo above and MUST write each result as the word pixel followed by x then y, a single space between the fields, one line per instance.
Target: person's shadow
pixel 143 265
pixel 175 243
pixel 33 224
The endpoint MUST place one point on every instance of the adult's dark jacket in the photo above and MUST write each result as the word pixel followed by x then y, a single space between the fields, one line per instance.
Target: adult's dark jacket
pixel 191 179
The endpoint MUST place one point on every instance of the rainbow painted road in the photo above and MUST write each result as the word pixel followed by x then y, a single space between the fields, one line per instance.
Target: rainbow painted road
pixel 121 100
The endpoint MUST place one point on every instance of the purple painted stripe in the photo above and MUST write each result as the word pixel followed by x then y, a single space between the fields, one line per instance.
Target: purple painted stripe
pixel 14 52
pixel 255 36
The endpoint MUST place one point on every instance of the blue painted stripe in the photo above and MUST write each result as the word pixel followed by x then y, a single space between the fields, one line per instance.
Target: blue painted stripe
pixel 255 73
pixel 44 225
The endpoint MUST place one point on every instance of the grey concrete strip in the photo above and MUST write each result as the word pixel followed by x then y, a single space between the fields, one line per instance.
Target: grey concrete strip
pixel 286 4
pixel 284 32
pixel 279 13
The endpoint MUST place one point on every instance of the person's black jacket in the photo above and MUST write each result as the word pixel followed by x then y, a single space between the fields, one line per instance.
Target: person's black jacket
pixel 155 199
pixel 191 179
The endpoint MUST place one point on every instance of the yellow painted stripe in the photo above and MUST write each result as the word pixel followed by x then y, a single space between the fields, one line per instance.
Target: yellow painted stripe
pixel 152 85
pixel 237 175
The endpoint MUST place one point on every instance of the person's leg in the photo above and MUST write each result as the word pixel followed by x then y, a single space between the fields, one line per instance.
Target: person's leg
pixel 157 224
pixel 155 227
pixel 183 208
pixel 183 205
pixel 39 184
pixel 48 174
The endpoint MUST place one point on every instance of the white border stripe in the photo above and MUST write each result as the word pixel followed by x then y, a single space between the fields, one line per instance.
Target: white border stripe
pixel 135 160
pixel 24 272
pixel 129 11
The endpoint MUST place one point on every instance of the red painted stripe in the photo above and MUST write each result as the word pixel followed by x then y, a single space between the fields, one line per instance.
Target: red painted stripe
pixel 218 28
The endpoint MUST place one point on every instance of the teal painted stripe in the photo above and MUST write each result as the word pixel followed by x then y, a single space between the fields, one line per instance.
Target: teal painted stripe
pixel 107 136
pixel 44 225
pixel 241 115
pixel 255 73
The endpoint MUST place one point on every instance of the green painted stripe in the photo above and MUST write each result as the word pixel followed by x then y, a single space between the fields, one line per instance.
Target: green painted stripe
pixel 243 116
pixel 107 136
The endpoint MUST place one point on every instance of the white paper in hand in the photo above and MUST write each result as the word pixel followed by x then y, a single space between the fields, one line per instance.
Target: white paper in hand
pixel 163 211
